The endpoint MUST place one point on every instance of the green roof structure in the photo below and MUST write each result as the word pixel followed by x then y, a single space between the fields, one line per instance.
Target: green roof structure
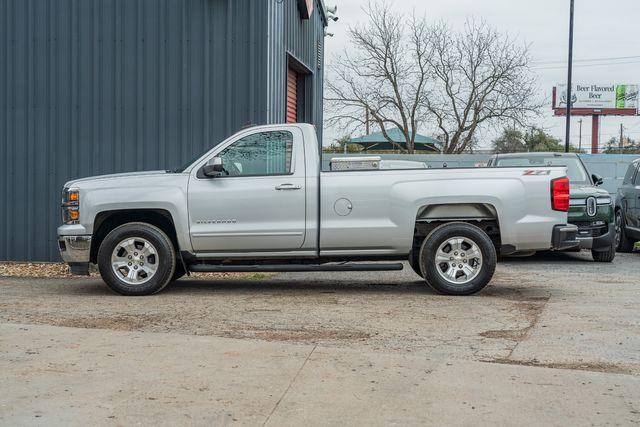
pixel 377 141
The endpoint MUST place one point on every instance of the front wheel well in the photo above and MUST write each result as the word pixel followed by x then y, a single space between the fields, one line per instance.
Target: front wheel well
pixel 108 220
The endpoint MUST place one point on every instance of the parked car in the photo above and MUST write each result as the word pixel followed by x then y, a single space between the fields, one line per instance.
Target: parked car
pixel 628 209
pixel 260 202
pixel 591 207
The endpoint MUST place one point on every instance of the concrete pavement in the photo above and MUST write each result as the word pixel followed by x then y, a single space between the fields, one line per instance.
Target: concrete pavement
pixel 554 341
pixel 68 376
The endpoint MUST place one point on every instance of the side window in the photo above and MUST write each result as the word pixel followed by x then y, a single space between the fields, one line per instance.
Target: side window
pixel 637 181
pixel 264 153
pixel 628 177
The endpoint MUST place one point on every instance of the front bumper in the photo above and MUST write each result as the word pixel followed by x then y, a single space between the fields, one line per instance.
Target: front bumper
pixel 596 237
pixel 564 237
pixel 76 251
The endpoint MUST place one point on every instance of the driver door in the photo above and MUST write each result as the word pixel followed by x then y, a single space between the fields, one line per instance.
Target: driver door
pixel 258 203
pixel 629 199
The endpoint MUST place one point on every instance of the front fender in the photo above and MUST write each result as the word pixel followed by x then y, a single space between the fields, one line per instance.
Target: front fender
pixel 168 194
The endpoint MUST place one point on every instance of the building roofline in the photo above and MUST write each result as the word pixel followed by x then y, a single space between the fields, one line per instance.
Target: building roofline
pixel 324 13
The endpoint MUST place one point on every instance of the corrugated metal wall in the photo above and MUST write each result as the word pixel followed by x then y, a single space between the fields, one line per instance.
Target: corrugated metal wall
pixel 91 87
pixel 304 40
pixel 290 36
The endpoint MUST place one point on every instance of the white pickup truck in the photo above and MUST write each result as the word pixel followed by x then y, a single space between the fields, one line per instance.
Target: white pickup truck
pixel 258 201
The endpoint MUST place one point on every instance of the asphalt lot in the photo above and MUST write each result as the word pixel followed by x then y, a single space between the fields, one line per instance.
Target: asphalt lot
pixel 554 340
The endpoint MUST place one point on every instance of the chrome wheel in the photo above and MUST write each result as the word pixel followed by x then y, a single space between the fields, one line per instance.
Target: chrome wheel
pixel 458 260
pixel 134 260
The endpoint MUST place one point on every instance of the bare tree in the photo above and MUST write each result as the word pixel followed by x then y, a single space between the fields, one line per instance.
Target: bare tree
pixel 382 77
pixel 418 74
pixel 479 77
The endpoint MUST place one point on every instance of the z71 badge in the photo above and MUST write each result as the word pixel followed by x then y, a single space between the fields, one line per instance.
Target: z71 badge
pixel 536 172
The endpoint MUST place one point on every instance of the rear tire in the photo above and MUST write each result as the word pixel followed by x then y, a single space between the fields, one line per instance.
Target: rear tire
pixel 458 259
pixel 136 259
pixel 623 243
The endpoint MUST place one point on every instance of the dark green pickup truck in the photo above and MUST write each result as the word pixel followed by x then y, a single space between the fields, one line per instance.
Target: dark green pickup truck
pixel 590 207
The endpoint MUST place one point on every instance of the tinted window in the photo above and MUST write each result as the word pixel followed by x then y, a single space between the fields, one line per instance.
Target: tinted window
pixel 628 177
pixel 264 153
pixel 637 181
pixel 576 172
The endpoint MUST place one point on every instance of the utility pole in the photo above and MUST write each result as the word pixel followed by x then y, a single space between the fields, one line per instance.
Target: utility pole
pixel 570 66
pixel 621 135
pixel 580 137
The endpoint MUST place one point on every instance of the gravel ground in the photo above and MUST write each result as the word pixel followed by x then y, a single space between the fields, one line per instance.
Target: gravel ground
pixel 58 270
pixel 388 311
pixel 573 321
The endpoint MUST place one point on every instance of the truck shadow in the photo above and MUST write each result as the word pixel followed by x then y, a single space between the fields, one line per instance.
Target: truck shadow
pixel 270 287
pixel 550 257
pixel 280 286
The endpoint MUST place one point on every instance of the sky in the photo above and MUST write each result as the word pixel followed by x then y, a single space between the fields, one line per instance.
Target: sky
pixel 602 30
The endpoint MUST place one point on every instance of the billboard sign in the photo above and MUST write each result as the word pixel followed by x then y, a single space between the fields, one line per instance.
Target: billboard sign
pixel 596 96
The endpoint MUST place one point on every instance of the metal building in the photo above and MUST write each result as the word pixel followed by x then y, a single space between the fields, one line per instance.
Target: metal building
pixel 91 87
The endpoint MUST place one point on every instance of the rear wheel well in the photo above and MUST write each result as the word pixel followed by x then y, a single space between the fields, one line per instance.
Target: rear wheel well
pixel 482 215
pixel 423 229
pixel 108 220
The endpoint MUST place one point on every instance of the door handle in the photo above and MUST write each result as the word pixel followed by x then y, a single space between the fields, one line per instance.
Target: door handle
pixel 288 187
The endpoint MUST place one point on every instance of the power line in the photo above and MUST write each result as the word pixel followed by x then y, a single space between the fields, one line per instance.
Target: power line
pixel 587 65
pixel 586 60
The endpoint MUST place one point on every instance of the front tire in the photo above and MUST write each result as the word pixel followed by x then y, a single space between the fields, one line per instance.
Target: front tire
pixel 458 259
pixel 605 256
pixel 179 271
pixel 414 261
pixel 622 242
pixel 136 259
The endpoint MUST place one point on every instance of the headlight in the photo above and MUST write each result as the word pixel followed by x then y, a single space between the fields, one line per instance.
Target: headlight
pixel 70 206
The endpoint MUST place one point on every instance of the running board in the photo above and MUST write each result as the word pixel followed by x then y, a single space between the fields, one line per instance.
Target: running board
pixel 283 268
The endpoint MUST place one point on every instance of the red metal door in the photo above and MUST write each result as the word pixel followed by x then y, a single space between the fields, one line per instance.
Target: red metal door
pixel 292 96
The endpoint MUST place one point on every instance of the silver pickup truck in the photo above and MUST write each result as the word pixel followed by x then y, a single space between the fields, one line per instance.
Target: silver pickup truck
pixel 259 201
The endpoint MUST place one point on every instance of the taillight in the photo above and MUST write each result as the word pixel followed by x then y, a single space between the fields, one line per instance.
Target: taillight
pixel 560 194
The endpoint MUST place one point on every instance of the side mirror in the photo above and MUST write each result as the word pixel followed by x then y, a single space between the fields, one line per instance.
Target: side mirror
pixel 597 179
pixel 213 167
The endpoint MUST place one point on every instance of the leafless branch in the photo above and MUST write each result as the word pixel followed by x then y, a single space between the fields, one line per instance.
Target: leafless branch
pixel 421 74
pixel 383 73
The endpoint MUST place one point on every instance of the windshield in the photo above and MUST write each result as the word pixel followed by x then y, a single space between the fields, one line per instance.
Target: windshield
pixel 186 165
pixel 575 170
